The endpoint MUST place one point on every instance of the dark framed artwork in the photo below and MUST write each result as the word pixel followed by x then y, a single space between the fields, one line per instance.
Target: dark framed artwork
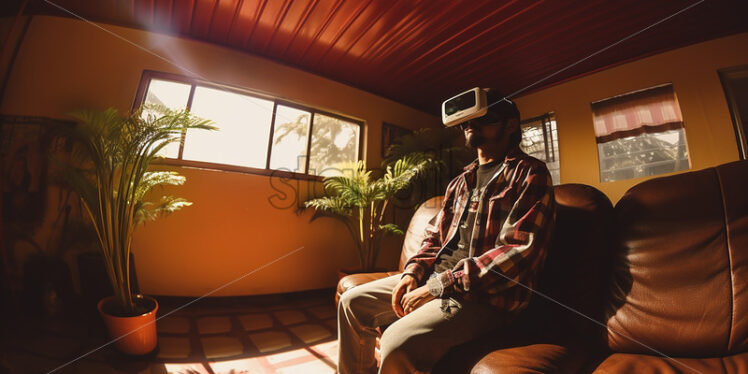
pixel 391 132
pixel 25 145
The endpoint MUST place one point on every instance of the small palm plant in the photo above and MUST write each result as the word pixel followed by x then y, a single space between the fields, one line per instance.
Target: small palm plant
pixel 110 172
pixel 362 202
pixel 443 143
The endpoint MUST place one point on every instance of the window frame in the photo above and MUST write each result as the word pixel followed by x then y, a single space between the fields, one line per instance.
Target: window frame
pixel 643 131
pixel 550 148
pixel 149 75
pixel 726 77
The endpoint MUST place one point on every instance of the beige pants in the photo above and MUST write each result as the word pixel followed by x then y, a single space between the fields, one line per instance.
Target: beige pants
pixel 410 344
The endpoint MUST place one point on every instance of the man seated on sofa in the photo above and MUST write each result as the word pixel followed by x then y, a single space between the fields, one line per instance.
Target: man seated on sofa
pixel 477 265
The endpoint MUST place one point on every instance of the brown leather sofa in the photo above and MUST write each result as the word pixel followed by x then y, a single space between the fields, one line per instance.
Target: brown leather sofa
pixel 658 284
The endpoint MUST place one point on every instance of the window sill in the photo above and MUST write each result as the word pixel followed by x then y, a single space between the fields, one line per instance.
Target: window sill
pixel 236 169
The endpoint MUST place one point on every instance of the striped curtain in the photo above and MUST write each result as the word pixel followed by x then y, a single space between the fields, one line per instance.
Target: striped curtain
pixel 648 111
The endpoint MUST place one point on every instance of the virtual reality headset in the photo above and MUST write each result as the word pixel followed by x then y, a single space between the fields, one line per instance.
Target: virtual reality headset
pixel 476 103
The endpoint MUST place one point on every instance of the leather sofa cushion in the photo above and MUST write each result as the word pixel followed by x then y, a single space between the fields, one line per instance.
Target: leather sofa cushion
pixel 533 358
pixel 353 280
pixel 424 216
pixel 671 290
pixel 623 363
pixel 512 350
pixel 733 179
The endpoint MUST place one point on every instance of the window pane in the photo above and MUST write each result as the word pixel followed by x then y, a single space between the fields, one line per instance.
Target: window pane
pixel 243 129
pixel 172 95
pixel 543 145
pixel 290 135
pixel 647 139
pixel 333 141
pixel 643 155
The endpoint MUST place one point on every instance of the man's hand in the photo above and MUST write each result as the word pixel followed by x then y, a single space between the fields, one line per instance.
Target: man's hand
pixel 414 299
pixel 407 284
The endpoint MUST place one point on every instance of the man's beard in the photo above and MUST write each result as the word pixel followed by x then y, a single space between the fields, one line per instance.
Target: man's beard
pixel 474 140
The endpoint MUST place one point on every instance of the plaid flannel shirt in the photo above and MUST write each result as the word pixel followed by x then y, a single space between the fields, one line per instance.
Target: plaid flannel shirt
pixel 512 230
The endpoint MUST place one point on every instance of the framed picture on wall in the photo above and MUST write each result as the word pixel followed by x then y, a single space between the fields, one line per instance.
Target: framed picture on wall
pixel 391 132
pixel 25 145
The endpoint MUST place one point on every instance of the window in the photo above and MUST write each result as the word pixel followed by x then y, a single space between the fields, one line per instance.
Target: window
pixel 290 138
pixel 640 134
pixel 255 134
pixel 540 140
pixel 333 141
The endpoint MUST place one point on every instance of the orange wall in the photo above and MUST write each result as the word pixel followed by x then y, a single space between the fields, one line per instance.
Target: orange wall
pixel 232 229
pixel 692 71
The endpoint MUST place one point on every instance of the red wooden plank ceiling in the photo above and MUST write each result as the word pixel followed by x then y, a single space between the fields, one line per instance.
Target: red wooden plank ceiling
pixel 420 52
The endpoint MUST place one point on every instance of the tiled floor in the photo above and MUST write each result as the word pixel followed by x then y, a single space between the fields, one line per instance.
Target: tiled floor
pixel 290 333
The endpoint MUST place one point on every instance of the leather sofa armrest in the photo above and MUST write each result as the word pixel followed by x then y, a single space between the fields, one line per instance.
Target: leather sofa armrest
pixel 533 358
pixel 353 280
pixel 517 350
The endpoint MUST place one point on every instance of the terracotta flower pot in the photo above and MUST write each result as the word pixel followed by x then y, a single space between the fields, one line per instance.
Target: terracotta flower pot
pixel 137 335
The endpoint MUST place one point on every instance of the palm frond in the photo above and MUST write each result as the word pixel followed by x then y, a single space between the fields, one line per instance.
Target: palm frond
pixel 112 155
pixel 157 178
pixel 331 204
pixel 391 228
pixel 402 172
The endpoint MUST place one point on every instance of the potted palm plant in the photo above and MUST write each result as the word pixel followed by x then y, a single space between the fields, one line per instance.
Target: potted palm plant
pixel 110 172
pixel 361 201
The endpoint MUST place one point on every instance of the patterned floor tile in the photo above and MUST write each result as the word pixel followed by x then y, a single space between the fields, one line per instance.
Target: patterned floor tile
pixel 242 309
pixel 280 334
pixel 174 325
pixel 155 368
pixel 332 323
pixel 328 350
pixel 270 341
pixel 213 325
pixel 86 367
pixel 313 366
pixel 252 322
pixel 207 310
pixel 180 368
pixel 323 311
pixel 243 365
pixel 289 317
pixel 309 333
pixel 169 347
pixel 221 346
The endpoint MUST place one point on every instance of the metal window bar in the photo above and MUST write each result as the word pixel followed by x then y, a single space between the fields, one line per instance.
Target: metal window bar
pixel 545 125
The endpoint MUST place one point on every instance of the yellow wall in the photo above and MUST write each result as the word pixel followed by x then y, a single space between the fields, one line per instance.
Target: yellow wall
pixel 692 71
pixel 232 229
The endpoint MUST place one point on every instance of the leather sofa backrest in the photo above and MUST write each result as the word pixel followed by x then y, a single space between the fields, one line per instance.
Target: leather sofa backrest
pixel 576 267
pixel 423 217
pixel 680 280
pixel 733 179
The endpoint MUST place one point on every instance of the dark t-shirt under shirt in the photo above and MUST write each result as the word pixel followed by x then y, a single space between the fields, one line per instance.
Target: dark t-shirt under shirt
pixel 450 256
